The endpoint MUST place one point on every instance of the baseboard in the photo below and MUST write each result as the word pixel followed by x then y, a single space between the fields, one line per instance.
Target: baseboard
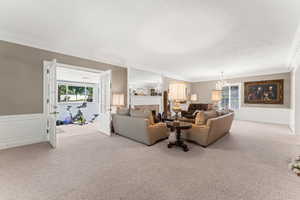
pixel 20 130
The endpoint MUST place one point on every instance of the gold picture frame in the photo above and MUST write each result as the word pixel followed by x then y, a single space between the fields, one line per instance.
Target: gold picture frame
pixel 264 92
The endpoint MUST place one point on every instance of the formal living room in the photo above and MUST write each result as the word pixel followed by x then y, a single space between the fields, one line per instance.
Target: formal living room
pixel 150 100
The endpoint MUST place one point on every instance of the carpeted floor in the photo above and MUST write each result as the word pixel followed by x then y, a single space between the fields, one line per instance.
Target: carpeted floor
pixel 249 164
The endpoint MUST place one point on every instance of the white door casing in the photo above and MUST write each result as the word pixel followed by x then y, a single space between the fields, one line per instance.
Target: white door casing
pixel 104 119
pixel 50 100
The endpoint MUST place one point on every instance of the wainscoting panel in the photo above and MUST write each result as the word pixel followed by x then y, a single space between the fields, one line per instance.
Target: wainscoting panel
pixel 22 130
pixel 267 115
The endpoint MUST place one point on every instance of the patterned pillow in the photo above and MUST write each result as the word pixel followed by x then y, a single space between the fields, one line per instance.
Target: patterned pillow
pixel 200 118
pixel 151 119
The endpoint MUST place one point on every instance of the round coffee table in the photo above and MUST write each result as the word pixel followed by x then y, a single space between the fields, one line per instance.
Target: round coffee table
pixel 178 126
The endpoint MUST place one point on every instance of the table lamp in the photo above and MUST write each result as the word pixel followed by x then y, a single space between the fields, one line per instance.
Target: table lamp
pixel 177 93
pixel 216 97
pixel 194 97
pixel 118 100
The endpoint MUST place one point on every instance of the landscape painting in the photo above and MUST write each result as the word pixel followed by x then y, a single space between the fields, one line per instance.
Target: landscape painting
pixel 264 92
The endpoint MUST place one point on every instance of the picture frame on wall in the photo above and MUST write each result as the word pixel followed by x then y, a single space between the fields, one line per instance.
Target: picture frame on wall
pixel 264 92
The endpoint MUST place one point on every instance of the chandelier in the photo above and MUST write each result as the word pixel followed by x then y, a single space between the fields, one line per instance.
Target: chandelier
pixel 221 83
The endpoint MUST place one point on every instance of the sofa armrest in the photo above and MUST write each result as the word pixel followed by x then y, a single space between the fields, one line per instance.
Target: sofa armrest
pixel 218 127
pixel 157 132
pixel 198 134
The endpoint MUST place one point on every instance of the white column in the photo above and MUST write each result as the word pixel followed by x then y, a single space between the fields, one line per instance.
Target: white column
pixel 297 101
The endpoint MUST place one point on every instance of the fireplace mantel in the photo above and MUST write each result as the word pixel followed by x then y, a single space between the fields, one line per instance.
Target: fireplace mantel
pixel 147 100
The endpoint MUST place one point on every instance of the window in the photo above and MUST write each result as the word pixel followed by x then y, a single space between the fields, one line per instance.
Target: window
pixel 234 97
pixel 72 93
pixel 89 94
pixel 76 93
pixel 231 97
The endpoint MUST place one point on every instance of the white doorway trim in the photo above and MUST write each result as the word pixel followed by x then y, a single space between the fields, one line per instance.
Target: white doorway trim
pixel 104 119
pixel 50 100
pixel 87 69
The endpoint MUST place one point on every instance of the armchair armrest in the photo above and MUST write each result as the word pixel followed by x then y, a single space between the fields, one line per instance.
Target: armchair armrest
pixel 158 131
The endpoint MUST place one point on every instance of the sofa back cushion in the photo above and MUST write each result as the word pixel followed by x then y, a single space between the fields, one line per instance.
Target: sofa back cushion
pixel 197 106
pixel 210 114
pixel 146 114
pixel 203 116
pixel 123 111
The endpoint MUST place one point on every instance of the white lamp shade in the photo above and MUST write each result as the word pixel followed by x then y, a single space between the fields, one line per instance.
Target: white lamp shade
pixel 216 95
pixel 194 97
pixel 118 100
pixel 177 91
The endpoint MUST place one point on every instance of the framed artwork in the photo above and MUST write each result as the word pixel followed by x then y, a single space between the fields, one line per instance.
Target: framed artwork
pixel 264 92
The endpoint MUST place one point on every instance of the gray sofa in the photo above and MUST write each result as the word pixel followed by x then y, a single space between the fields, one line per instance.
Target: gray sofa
pixel 139 129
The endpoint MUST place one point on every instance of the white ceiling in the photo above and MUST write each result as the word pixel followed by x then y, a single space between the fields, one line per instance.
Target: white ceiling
pixel 74 75
pixel 191 40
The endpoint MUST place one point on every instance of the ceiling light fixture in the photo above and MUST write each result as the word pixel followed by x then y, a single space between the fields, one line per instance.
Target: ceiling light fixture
pixel 221 83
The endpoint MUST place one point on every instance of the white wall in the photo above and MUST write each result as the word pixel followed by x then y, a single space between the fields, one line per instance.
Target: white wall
pixel 266 115
pixel 21 130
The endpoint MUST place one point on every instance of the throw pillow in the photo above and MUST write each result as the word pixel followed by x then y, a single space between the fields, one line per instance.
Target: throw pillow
pixel 151 119
pixel 222 112
pixel 195 112
pixel 200 118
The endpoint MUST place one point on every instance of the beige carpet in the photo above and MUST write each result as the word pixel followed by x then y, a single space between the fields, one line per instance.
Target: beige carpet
pixel 250 164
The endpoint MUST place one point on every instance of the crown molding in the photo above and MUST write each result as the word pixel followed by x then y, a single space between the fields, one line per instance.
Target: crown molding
pixel 279 71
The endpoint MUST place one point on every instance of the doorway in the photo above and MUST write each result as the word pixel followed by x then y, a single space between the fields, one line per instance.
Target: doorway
pixel 77 101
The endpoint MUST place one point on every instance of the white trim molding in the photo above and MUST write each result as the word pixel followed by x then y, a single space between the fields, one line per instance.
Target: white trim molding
pixel 19 130
pixel 264 115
